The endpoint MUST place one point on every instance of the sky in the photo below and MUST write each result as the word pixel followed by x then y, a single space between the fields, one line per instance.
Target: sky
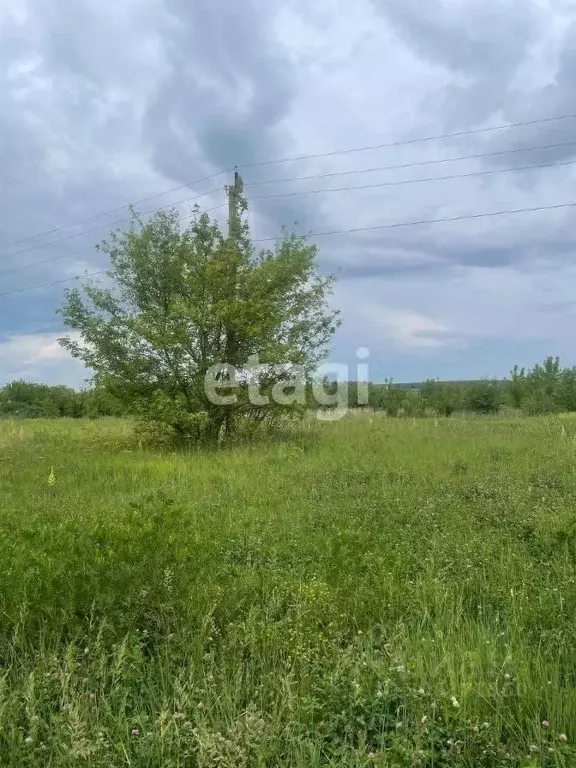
pixel 104 103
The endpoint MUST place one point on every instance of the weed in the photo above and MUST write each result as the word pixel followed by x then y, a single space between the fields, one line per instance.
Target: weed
pixel 350 594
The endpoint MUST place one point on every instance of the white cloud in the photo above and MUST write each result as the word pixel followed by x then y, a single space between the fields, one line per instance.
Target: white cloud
pixel 411 330
pixel 39 357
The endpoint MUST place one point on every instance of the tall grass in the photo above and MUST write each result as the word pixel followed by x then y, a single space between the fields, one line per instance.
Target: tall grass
pixel 368 593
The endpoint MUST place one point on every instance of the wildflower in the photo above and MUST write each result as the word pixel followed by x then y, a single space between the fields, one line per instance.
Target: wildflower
pixel 135 732
pixel 455 702
pixel 200 705
pixel 485 724
pixel 545 724
pixel 424 719
pixel 421 691
pixel 379 694
pixel 52 477
pixel 533 748
pixel 28 740
pixel 507 676
pixel 399 724
pixel 400 668
pixel 562 737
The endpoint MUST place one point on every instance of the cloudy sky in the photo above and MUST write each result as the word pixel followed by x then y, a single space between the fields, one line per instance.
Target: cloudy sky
pixel 103 103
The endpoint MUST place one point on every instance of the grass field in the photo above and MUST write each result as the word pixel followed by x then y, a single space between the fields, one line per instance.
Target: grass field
pixel 373 592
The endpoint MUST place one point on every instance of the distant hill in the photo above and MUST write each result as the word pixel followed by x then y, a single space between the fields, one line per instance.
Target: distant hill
pixel 420 384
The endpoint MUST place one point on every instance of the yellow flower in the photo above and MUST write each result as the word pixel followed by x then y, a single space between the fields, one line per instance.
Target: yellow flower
pixel 51 477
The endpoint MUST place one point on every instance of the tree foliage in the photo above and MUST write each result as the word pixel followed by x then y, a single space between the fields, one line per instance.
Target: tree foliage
pixel 546 388
pixel 184 306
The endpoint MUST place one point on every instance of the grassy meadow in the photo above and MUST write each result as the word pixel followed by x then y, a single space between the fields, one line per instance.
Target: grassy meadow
pixel 371 592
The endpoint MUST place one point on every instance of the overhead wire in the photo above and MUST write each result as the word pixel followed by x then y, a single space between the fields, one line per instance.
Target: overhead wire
pixel 404 142
pixel 417 140
pixel 404 182
pixel 352 230
pixel 109 224
pixel 112 210
pixel 292 193
pixel 87 249
pixel 291 159
pixel 418 164
pixel 421 222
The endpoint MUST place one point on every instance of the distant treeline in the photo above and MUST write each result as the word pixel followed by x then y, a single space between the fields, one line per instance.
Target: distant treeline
pixel 26 400
pixel 545 388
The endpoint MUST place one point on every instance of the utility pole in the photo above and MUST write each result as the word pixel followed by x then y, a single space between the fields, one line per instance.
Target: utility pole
pixel 233 192
pixel 233 232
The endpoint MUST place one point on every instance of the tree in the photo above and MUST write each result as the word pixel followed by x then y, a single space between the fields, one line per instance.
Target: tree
pixel 413 403
pixel 31 400
pixel 567 393
pixel 190 307
pixel 517 387
pixel 389 398
pixel 544 387
pixel 484 397
pixel 443 397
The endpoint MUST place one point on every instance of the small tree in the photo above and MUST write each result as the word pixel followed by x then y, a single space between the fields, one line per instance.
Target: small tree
pixel 413 403
pixel 187 306
pixel 567 393
pixel 516 389
pixel 443 397
pixel 484 397
pixel 391 397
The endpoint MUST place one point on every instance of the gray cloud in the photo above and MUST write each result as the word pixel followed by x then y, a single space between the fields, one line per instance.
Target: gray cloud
pixel 226 90
pixel 101 105
pixel 228 103
pixel 482 44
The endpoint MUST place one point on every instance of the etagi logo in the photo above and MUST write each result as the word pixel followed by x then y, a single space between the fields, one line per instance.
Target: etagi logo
pixel 290 384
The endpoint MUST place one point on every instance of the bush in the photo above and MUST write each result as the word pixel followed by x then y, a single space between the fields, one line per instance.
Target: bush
pixel 484 397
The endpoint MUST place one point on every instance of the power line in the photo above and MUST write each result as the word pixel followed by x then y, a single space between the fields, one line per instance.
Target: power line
pixel 394 225
pixel 55 282
pixel 111 210
pixel 404 142
pixel 402 166
pixel 404 182
pixel 82 250
pixel 463 217
pixel 110 224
